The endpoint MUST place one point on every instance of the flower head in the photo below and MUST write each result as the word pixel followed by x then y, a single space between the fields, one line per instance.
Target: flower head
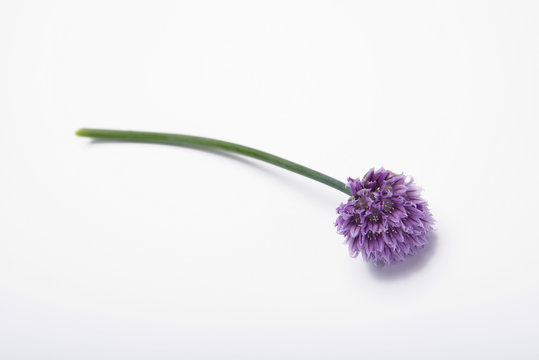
pixel 385 219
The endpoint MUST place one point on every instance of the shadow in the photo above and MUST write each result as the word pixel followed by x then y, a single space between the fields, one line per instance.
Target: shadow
pixel 295 181
pixel 410 265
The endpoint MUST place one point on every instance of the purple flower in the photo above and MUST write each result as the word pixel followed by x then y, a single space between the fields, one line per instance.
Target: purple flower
pixel 385 219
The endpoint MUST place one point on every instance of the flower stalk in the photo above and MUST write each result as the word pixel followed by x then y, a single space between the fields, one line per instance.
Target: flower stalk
pixel 208 143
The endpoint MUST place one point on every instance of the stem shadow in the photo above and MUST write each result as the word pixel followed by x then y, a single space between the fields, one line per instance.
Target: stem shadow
pixel 289 179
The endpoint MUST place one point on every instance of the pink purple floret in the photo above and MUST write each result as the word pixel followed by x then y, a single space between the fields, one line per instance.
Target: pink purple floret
pixel 385 219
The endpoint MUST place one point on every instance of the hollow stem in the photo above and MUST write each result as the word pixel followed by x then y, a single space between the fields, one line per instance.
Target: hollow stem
pixel 207 143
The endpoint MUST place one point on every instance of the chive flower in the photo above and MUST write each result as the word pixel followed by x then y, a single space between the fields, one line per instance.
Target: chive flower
pixel 384 219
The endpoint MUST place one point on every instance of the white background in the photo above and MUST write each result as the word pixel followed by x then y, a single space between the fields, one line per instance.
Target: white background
pixel 133 251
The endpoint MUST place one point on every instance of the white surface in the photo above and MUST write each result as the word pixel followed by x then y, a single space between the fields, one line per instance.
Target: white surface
pixel 125 251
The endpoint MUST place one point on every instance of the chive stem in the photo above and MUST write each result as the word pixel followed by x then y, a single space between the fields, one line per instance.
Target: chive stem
pixel 207 143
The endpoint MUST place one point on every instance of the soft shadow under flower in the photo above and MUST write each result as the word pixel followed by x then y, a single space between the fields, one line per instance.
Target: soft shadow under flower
pixel 412 265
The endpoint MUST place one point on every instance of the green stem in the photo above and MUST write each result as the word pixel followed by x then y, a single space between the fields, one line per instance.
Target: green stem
pixel 207 143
